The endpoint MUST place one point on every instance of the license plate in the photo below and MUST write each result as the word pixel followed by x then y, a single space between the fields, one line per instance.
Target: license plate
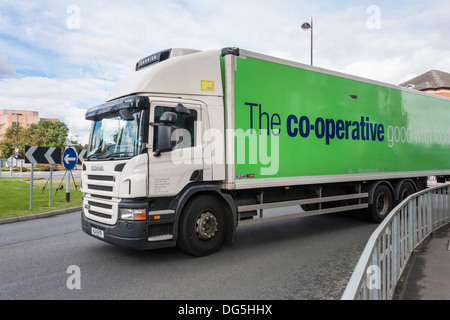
pixel 97 232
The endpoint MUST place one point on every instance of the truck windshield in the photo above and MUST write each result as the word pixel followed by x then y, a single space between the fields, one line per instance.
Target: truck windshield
pixel 113 137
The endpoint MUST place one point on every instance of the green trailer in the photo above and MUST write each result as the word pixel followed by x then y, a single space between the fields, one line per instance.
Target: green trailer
pixel 335 127
pixel 195 144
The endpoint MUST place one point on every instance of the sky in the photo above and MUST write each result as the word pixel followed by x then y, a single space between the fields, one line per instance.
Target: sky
pixel 62 57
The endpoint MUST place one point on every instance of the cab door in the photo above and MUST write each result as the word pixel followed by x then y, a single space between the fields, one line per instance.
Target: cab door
pixel 170 172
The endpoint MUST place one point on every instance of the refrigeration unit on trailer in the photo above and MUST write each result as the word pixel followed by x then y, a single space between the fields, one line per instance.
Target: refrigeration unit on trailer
pixel 196 143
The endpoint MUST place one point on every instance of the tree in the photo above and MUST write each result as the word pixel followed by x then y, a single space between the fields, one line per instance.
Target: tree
pixel 43 134
pixel 8 144
pixel 47 134
pixel 74 143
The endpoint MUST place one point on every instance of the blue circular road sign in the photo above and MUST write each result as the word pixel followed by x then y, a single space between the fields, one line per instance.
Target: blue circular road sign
pixel 70 158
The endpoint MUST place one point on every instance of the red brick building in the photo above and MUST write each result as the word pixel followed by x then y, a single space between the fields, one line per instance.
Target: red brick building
pixel 25 118
pixel 433 81
pixel 10 117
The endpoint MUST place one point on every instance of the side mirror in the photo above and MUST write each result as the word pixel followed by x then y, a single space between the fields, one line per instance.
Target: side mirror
pixel 165 142
pixel 166 127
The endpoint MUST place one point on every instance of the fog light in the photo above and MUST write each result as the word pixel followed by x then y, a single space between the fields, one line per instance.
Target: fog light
pixel 132 214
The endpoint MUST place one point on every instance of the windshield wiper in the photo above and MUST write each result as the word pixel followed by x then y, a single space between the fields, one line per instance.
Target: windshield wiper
pixel 112 156
pixel 95 155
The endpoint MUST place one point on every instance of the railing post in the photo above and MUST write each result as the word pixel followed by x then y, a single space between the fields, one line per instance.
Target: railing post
pixel 448 204
pixel 414 220
pixel 395 244
pixel 419 226
pixel 374 291
pixel 429 214
pixel 383 268
pixel 410 225
pixel 441 205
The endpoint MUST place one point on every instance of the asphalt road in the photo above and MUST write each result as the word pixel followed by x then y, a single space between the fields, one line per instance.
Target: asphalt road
pixel 306 258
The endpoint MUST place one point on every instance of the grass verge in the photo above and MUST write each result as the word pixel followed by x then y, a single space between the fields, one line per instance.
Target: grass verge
pixel 15 197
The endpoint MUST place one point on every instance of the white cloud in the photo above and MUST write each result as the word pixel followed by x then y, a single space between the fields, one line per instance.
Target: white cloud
pixel 66 100
pixel 410 41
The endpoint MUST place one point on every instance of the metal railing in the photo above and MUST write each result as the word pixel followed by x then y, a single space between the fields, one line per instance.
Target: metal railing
pixel 389 248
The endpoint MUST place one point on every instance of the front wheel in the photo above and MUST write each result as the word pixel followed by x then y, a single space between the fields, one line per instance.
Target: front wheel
pixel 202 226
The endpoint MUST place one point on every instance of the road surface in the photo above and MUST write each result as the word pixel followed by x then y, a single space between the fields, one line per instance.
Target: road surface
pixel 306 258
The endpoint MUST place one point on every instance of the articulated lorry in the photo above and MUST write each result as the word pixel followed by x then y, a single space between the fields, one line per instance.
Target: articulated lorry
pixel 197 143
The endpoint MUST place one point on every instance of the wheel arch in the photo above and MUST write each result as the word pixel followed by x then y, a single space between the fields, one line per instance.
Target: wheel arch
pixel 195 191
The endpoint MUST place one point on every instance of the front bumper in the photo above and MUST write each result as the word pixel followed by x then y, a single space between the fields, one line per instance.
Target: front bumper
pixel 128 234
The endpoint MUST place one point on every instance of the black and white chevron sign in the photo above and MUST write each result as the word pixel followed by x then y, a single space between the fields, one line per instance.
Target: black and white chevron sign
pixel 81 156
pixel 45 155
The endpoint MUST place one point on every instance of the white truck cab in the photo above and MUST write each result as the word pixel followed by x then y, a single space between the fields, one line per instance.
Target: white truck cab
pixel 132 186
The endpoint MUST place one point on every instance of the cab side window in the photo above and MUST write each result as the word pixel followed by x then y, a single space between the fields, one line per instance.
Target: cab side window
pixel 184 121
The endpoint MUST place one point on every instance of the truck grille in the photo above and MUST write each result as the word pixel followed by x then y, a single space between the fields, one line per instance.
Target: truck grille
pixel 99 214
pixel 100 188
pixel 100 210
pixel 100 178
pixel 101 185
pixel 99 203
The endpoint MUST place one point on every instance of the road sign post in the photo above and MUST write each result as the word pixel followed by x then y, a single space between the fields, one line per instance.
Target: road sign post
pixel 45 155
pixel 68 188
pixel 70 159
pixel 31 187
pixel 51 186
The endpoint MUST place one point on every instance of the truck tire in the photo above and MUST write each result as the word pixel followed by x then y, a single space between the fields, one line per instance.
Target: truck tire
pixel 202 227
pixel 383 202
pixel 406 189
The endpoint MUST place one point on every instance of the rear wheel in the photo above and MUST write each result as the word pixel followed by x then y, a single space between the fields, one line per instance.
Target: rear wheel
pixel 383 202
pixel 406 190
pixel 202 226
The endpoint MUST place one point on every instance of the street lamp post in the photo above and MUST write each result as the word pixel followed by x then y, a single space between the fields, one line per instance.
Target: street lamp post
pixel 17 139
pixel 306 26
pixel 17 145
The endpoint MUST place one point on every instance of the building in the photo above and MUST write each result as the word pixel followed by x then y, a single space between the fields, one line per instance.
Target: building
pixel 10 117
pixel 25 118
pixel 433 81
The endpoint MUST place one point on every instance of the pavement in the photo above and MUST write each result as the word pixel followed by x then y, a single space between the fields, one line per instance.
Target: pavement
pixel 427 276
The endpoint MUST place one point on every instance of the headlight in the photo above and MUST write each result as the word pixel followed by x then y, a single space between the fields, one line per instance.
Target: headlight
pixel 132 214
